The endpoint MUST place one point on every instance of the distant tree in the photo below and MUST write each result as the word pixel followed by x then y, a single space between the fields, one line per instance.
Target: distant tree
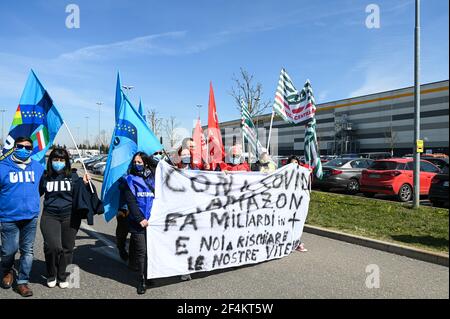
pixel 245 89
pixel 170 129
pixel 155 121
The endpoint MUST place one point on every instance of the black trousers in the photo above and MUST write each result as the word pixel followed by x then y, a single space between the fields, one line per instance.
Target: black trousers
pixel 138 251
pixel 122 230
pixel 59 234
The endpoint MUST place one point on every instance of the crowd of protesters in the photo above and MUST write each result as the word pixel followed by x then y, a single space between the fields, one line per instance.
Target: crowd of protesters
pixel 69 198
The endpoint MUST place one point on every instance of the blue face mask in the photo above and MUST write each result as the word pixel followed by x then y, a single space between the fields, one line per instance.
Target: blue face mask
pixel 157 157
pixel 138 167
pixel 186 159
pixel 236 160
pixel 22 154
pixel 58 166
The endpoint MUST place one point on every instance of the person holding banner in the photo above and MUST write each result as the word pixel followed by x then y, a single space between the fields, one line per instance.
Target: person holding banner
pixel 137 189
pixel 264 164
pixel 60 221
pixel 19 211
pixel 235 160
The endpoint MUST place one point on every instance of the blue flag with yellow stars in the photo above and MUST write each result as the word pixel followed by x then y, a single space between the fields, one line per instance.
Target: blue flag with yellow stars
pixel 131 135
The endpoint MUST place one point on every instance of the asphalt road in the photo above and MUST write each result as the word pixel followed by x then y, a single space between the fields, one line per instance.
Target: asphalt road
pixel 330 269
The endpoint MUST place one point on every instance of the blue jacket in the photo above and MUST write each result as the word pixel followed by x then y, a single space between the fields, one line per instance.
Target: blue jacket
pixel 138 194
pixel 19 190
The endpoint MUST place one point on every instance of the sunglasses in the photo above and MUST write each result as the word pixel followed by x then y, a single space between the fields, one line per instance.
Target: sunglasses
pixel 27 147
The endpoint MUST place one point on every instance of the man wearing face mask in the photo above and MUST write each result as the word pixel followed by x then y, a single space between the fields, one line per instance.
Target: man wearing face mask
pixel 20 206
pixel 235 160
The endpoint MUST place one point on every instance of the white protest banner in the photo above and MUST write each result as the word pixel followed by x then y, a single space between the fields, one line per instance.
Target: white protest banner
pixel 202 221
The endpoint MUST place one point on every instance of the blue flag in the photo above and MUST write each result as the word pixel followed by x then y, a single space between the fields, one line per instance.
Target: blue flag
pixel 131 135
pixel 119 97
pixel 36 117
pixel 141 110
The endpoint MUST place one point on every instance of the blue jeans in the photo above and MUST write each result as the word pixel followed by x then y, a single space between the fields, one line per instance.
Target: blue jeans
pixel 18 235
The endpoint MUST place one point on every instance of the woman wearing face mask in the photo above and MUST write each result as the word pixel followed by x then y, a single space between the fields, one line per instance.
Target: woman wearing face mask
pixel 59 223
pixel 138 188
pixel 186 160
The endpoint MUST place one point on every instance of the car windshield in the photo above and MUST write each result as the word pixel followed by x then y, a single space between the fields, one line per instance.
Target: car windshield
pixel 386 165
pixel 337 162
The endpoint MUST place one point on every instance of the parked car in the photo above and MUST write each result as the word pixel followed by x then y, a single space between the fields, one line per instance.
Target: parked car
pixel 342 173
pixel 80 159
pixel 349 155
pixel 376 155
pixel 99 168
pixel 441 162
pixel 395 177
pixel 101 158
pixel 439 189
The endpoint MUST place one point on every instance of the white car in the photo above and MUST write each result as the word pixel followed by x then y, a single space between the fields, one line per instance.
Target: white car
pixel 80 159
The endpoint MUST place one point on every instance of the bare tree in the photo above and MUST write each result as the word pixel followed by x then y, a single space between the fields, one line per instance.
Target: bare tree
pixel 245 89
pixel 155 121
pixel 170 129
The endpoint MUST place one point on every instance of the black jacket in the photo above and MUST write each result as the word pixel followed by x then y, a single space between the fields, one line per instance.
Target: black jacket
pixel 85 203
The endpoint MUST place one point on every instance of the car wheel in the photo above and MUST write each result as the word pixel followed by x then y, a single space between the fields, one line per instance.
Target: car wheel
pixel 353 186
pixel 405 193
pixel 369 195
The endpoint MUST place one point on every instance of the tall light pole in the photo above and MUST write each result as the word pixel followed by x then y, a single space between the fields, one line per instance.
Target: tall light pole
pixel 99 139
pixel 199 106
pixel 3 126
pixel 87 130
pixel 417 107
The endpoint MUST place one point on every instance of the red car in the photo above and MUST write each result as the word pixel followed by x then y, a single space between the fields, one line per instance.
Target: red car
pixel 394 176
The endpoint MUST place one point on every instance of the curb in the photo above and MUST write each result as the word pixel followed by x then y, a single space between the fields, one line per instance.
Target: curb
pixel 415 253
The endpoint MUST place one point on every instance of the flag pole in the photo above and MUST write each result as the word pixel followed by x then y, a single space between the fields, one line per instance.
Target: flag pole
pixel 270 131
pixel 79 154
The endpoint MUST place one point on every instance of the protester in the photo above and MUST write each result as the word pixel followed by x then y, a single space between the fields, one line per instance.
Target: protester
pixel 60 221
pixel 138 188
pixel 186 164
pixel 19 210
pixel 264 164
pixel 235 160
pixel 185 160
pixel 294 159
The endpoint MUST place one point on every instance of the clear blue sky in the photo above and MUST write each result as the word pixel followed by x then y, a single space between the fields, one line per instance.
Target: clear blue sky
pixel 170 50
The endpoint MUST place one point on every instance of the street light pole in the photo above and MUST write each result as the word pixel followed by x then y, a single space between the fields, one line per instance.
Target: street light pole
pixel 417 107
pixel 87 130
pixel 199 106
pixel 99 139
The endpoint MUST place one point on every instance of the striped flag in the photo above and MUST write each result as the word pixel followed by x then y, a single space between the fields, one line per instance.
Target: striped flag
pixel 312 151
pixel 290 104
pixel 249 129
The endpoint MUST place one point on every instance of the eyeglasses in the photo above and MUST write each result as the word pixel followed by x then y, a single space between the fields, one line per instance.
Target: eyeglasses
pixel 27 147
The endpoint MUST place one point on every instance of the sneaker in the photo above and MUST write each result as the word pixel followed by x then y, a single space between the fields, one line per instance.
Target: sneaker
pixel 63 284
pixel 51 282
pixel 301 248
pixel 186 277
pixel 24 290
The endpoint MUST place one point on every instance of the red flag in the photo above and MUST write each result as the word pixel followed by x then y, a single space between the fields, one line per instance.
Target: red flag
pixel 216 150
pixel 200 153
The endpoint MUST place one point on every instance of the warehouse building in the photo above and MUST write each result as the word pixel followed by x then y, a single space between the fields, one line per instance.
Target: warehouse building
pixel 381 122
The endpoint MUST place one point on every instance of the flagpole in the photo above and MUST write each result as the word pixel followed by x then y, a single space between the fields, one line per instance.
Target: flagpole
pixel 270 131
pixel 79 154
